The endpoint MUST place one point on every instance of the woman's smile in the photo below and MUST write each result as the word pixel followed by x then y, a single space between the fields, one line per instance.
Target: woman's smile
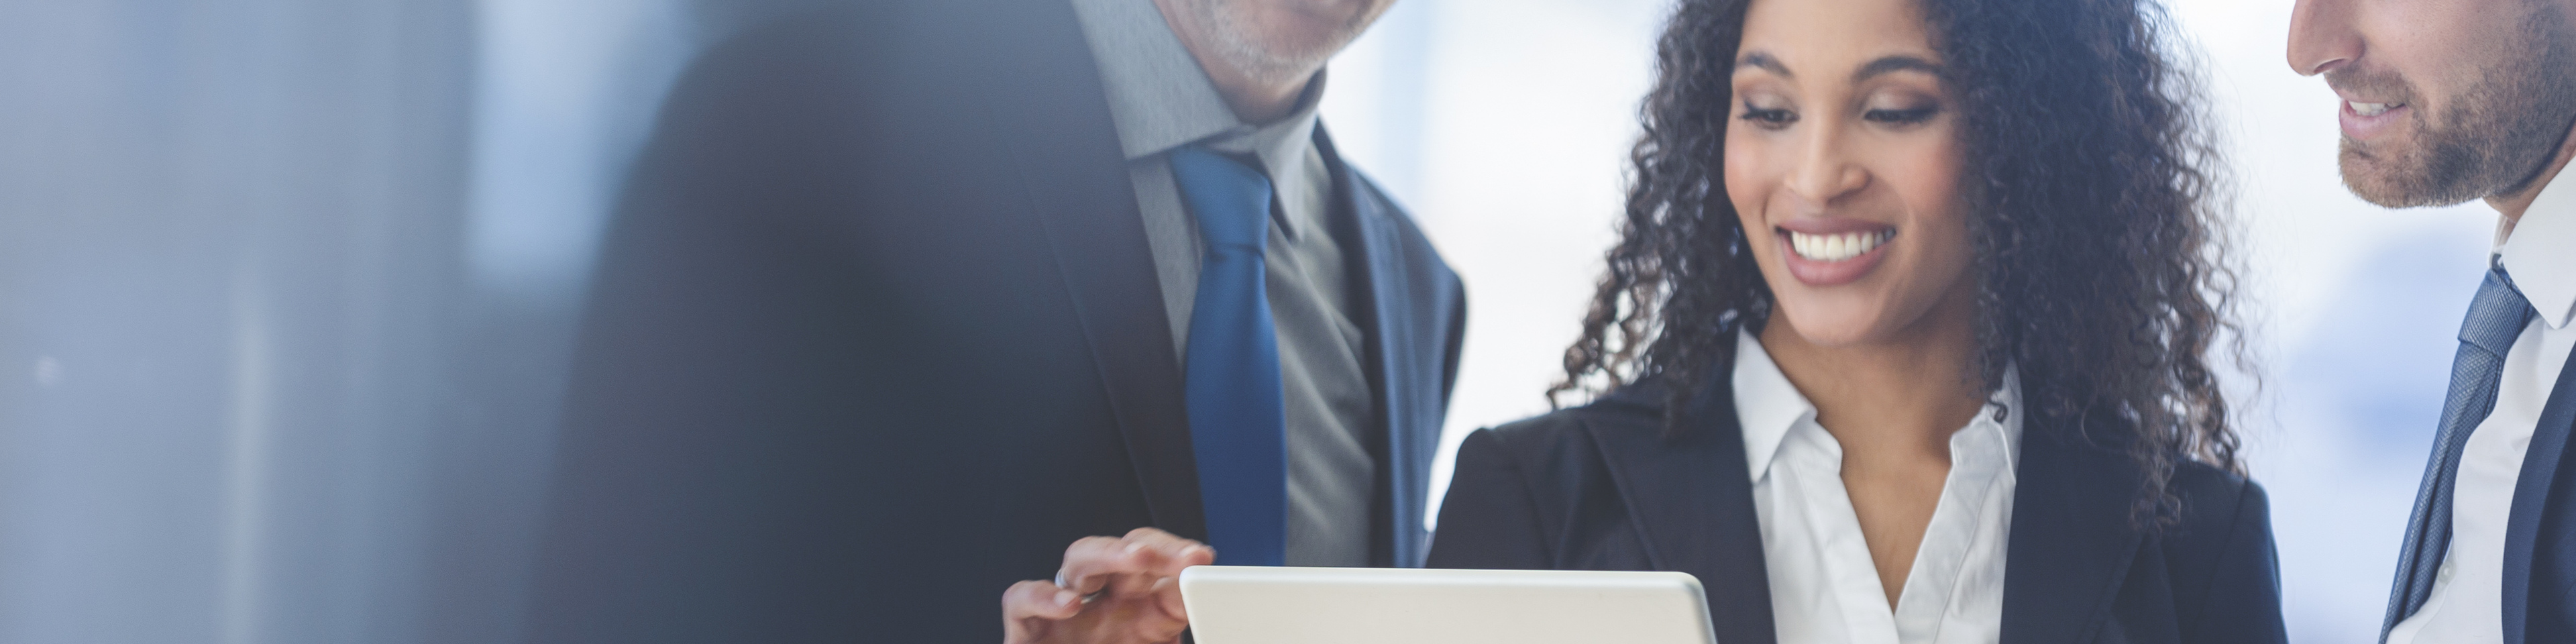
pixel 1832 251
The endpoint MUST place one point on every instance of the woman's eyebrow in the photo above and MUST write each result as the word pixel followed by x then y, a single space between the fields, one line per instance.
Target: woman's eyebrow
pixel 1896 64
pixel 1764 61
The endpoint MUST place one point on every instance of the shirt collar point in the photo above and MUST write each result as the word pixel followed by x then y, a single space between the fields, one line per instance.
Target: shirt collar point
pixel 1766 404
pixel 2558 320
pixel 2541 270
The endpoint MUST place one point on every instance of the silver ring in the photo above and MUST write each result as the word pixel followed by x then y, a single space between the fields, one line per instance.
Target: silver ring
pixel 1059 583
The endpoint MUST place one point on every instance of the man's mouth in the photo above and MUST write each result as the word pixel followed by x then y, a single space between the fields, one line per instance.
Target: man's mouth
pixel 2365 121
pixel 2371 109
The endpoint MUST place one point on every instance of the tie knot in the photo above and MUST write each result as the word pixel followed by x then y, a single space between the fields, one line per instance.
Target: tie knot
pixel 2498 314
pixel 1230 199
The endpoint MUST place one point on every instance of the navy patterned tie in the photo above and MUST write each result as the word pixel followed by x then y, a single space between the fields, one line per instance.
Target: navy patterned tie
pixel 1238 415
pixel 2496 317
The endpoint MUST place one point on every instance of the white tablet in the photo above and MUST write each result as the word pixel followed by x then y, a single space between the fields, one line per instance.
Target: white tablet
pixel 1279 605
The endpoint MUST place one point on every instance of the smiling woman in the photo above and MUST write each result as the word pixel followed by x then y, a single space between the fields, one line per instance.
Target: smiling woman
pixel 1940 277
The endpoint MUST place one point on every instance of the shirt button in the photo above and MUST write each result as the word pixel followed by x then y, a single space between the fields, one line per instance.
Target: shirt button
pixel 2445 575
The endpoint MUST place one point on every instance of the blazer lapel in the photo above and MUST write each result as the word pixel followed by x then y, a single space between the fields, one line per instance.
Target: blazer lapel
pixel 1692 498
pixel 2072 543
pixel 1409 420
pixel 1053 113
pixel 2532 502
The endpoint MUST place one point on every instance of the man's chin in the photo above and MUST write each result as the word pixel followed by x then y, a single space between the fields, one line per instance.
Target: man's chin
pixel 2371 177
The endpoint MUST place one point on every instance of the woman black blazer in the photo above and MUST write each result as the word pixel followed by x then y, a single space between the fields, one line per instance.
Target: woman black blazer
pixel 1599 487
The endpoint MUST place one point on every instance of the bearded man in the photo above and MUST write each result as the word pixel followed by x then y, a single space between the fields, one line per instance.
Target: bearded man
pixel 2446 101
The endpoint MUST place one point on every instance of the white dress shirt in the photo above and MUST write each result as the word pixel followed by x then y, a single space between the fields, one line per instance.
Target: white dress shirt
pixel 1824 588
pixel 2467 605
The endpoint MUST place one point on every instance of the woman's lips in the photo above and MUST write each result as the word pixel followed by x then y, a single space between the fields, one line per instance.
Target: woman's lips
pixel 1833 252
pixel 2363 120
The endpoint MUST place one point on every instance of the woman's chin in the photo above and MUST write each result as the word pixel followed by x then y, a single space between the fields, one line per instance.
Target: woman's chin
pixel 1837 324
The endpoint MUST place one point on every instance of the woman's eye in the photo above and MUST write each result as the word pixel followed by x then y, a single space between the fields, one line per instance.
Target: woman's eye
pixel 1900 117
pixel 1769 118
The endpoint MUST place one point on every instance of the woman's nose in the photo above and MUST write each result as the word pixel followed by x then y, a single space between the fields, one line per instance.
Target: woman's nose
pixel 1824 172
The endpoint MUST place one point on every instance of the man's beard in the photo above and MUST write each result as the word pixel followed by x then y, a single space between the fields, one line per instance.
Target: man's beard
pixel 1238 38
pixel 2495 137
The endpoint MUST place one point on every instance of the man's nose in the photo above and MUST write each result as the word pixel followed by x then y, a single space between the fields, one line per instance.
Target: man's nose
pixel 2322 36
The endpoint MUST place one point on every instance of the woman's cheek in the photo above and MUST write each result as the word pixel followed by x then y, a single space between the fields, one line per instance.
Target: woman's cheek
pixel 1749 173
pixel 1932 192
pixel 1744 191
pixel 1924 169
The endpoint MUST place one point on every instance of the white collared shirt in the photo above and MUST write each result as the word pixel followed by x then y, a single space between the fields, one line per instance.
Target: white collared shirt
pixel 1824 587
pixel 2467 605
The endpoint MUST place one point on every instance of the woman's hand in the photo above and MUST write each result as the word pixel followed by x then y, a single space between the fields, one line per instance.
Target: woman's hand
pixel 1111 590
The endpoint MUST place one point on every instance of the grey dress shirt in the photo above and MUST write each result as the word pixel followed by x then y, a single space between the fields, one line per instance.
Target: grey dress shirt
pixel 1160 100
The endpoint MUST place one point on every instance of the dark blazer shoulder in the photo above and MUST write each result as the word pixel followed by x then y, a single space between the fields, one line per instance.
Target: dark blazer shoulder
pixel 1548 471
pixel 1567 438
pixel 2220 559
pixel 1536 461
pixel 1530 470
pixel 2213 509
pixel 2212 500
pixel 1606 486
pixel 1540 436
pixel 1638 405
pixel 1529 494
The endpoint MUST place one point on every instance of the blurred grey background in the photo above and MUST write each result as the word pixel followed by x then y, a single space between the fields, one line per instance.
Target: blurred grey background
pixel 286 286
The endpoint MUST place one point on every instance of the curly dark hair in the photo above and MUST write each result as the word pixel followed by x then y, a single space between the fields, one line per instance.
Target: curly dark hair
pixel 2099 258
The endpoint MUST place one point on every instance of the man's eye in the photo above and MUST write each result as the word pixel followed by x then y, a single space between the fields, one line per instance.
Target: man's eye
pixel 1769 118
pixel 1900 117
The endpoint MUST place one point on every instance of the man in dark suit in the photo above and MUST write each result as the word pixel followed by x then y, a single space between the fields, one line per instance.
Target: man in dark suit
pixel 907 295
pixel 2444 102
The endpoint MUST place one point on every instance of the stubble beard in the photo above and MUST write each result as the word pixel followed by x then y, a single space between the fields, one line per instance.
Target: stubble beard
pixel 1237 38
pixel 2495 137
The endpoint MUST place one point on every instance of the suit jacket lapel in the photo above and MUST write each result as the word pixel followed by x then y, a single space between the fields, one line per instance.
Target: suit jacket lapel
pixel 2072 542
pixel 2532 492
pixel 1053 113
pixel 1387 292
pixel 1692 498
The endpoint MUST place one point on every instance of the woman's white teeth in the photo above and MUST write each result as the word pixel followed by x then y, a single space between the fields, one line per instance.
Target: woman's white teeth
pixel 2370 109
pixel 1837 247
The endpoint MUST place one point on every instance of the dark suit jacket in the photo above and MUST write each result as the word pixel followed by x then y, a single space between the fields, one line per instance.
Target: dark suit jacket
pixel 877 334
pixel 2540 533
pixel 1598 487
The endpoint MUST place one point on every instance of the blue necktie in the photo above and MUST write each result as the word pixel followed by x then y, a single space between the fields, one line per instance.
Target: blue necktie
pixel 1238 420
pixel 2496 317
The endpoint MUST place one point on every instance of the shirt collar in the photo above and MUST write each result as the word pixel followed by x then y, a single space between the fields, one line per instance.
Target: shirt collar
pixel 1159 97
pixel 1767 406
pixel 2537 254
pixel 1286 151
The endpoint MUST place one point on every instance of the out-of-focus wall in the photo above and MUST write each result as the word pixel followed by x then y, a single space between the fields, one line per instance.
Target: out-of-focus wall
pixel 226 252
pixel 286 292
pixel 1504 124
